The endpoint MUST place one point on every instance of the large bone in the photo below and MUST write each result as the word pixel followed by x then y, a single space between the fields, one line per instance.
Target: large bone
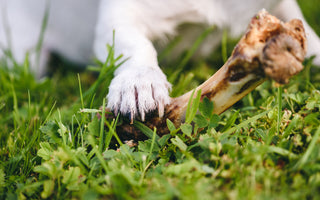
pixel 269 49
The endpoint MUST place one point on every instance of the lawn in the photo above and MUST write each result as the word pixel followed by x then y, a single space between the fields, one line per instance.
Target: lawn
pixel 54 143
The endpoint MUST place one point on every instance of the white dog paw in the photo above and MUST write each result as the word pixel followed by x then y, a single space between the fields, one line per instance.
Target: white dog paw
pixel 137 92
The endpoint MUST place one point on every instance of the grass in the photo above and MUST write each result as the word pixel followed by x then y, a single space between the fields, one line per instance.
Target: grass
pixel 53 144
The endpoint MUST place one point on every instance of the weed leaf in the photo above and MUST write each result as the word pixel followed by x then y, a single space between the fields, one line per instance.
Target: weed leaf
pixel 179 143
pixel 45 151
pixel 206 107
pixel 201 121
pixel 186 129
pixel 170 125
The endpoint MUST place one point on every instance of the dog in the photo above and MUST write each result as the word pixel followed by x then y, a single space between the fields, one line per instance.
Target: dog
pixel 80 30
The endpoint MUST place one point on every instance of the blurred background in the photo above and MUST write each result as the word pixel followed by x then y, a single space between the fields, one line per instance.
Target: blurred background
pixel 311 11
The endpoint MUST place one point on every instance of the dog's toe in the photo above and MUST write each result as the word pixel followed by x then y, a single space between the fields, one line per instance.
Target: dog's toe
pixel 136 93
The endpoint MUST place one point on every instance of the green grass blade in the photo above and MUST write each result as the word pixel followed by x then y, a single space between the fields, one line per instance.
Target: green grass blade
pixel 192 107
pixel 244 124
pixel 145 130
pixel 304 159
pixel 279 116
pixel 102 123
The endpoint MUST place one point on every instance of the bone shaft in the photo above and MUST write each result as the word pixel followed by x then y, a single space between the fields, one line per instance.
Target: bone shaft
pixel 220 90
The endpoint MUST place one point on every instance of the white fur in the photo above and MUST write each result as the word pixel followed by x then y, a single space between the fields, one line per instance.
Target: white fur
pixel 139 86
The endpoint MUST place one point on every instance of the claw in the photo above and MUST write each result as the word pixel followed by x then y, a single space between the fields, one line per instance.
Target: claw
pixel 131 117
pixel 142 115
pixel 161 109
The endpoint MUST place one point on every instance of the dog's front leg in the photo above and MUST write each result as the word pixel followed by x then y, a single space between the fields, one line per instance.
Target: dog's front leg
pixel 289 9
pixel 139 85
